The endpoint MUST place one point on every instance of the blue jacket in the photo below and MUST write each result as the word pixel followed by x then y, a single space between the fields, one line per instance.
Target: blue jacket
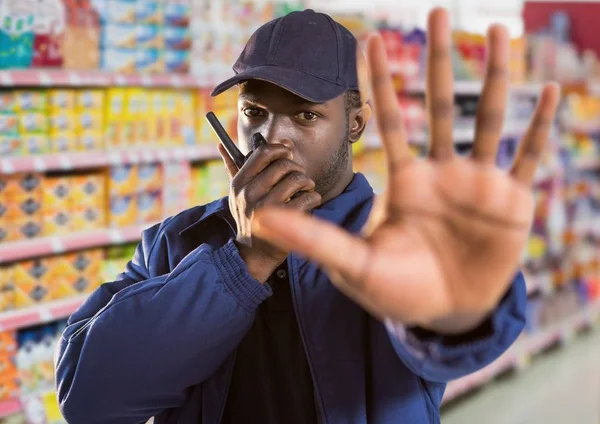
pixel 161 339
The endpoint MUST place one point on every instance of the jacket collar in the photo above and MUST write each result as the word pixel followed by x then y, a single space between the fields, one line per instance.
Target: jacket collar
pixel 336 210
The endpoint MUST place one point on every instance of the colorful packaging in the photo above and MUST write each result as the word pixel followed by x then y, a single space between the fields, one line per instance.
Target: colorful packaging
pixel 176 38
pixel 31 283
pixel 89 99
pixel 82 35
pixel 123 180
pixel 150 178
pixel 123 211
pixel 90 140
pixel 16 34
pixel 33 123
pixel 115 103
pixel 63 122
pixel 50 22
pixel 32 101
pixel 88 189
pixel 149 12
pixel 118 60
pixel 10 387
pixel 8 342
pixel 120 11
pixel 7 298
pixel 115 136
pixel 149 207
pixel 10 145
pixel 14 208
pixel 35 144
pixel 177 13
pixel 177 61
pixel 5 230
pixel 119 36
pixel 61 100
pixel 8 102
pixel 9 124
pixel 57 223
pixel 90 121
pixel 149 37
pixel 150 61
pixel 57 194
pixel 63 142
pixel 88 218
pixel 17 186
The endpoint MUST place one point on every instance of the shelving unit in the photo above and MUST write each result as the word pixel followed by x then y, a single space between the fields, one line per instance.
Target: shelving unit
pixel 97 159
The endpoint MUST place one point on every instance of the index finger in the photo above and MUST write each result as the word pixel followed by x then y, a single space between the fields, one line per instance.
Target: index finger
pixel 385 105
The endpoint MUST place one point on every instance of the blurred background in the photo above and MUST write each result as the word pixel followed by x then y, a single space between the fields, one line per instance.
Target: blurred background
pixel 102 134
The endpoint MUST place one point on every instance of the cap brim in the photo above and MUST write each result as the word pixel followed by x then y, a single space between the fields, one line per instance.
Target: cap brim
pixel 304 85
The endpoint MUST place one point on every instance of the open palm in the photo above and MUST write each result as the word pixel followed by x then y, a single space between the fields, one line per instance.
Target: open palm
pixel 443 242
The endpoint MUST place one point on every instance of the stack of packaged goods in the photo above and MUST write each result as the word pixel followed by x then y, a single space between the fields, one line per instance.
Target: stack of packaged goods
pixel 16 33
pixel 31 111
pixel 89 118
pixel 210 182
pixel 21 210
pixel 82 35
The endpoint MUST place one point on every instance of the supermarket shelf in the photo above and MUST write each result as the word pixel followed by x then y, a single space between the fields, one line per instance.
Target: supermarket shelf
pixel 10 407
pixel 65 78
pixel 26 249
pixel 40 314
pixel 526 347
pixel 82 160
pixel 475 87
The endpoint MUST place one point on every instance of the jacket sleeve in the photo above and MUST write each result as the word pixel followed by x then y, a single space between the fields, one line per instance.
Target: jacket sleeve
pixel 138 343
pixel 441 359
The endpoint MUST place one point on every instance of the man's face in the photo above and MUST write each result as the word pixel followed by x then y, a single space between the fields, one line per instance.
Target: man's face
pixel 317 134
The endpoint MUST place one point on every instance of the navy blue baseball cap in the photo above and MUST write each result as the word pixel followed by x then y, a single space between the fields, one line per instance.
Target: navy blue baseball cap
pixel 306 53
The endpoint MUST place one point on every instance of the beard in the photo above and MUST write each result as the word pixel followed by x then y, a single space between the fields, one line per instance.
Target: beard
pixel 337 163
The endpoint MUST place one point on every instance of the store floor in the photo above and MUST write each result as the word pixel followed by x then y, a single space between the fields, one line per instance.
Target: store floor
pixel 560 387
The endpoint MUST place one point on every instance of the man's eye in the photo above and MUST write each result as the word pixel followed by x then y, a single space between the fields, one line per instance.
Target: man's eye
pixel 252 112
pixel 307 116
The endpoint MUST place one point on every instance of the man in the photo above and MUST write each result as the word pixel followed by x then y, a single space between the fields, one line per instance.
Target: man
pixel 216 321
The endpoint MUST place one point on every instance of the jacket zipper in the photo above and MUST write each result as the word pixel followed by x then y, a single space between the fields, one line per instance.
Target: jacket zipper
pixel 293 277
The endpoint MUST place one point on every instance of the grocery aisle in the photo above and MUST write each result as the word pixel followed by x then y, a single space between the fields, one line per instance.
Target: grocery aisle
pixel 560 387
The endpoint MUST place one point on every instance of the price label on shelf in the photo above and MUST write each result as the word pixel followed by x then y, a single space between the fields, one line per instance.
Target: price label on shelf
pixel 45 315
pixel 146 80
pixel 75 79
pixel 115 158
pixel 57 245
pixel 176 81
pixel 64 162
pixel 120 80
pixel 7 166
pixel 116 236
pixel 6 79
pixel 45 79
pixel 39 165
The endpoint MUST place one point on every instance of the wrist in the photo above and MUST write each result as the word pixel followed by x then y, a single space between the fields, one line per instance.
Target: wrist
pixel 259 265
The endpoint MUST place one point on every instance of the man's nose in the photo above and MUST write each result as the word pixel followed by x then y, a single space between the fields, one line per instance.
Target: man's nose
pixel 276 133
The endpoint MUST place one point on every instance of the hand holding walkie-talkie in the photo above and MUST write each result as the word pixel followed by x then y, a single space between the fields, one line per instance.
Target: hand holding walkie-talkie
pixel 267 176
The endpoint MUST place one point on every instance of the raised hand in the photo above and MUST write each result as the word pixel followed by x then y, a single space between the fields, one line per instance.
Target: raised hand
pixel 443 243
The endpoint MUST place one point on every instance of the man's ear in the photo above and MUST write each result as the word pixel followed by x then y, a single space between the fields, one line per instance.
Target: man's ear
pixel 358 121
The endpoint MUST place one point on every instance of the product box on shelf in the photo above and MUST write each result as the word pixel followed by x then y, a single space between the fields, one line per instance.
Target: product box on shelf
pixel 35 144
pixel 57 193
pixel 149 207
pixel 63 121
pixel 176 38
pixel 9 124
pixel 19 185
pixel 150 36
pixel 61 100
pixel 150 177
pixel 123 180
pixel 82 35
pixel 57 223
pixel 178 13
pixel 118 60
pixel 150 12
pixel 63 142
pixel 31 282
pixel 88 189
pixel 10 145
pixel 7 292
pixel 88 218
pixel 90 141
pixel 33 123
pixel 48 43
pixel 7 101
pixel 123 211
pixel 120 11
pixel 150 61
pixel 31 100
pixel 14 208
pixel 89 99
pixel 177 61
pixel 119 36
pixel 26 228
pixel 16 35
pixel 89 121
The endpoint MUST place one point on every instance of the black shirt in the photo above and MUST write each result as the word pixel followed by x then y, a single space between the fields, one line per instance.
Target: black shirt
pixel 271 381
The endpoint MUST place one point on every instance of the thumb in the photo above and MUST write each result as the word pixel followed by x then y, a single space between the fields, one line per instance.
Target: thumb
pixel 324 243
pixel 232 169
